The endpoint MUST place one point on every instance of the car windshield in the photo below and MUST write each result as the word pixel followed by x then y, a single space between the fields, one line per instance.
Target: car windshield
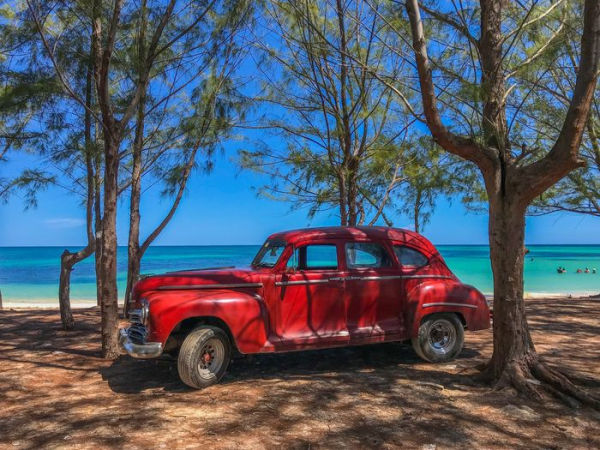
pixel 269 254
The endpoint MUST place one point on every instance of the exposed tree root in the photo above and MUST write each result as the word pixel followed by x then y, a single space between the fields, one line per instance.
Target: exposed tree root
pixel 560 383
pixel 530 377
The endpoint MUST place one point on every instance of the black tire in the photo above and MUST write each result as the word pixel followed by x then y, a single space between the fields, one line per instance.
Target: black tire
pixel 441 338
pixel 204 357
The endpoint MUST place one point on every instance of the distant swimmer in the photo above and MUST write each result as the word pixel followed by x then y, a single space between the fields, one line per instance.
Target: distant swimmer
pixel 561 269
pixel 587 270
pixel 594 270
pixel 579 271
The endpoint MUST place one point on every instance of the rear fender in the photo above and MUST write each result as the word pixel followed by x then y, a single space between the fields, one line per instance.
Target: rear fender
pixel 244 314
pixel 446 296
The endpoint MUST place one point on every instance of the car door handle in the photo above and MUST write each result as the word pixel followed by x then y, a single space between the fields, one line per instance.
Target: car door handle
pixel 337 279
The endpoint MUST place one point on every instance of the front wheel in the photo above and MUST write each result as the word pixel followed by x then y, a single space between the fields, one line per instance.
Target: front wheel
pixel 204 357
pixel 440 339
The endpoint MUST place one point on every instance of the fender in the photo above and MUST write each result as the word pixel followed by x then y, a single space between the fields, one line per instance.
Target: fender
pixel 450 296
pixel 244 313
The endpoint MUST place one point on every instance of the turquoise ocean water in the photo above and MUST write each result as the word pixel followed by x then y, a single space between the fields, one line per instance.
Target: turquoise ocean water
pixel 31 273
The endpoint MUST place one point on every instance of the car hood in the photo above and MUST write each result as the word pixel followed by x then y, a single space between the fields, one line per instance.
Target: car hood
pixel 214 278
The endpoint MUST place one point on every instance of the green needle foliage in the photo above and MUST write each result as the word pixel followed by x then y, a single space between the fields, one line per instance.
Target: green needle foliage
pixel 349 141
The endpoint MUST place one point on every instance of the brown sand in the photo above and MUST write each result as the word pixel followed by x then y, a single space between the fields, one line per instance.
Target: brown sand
pixel 57 392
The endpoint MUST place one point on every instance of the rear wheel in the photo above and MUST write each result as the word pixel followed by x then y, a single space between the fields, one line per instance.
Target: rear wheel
pixel 204 357
pixel 440 338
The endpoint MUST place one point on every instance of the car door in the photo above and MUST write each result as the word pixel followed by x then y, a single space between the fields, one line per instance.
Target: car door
pixel 311 307
pixel 373 290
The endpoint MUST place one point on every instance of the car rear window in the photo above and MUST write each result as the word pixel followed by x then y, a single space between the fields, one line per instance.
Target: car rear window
pixel 365 255
pixel 409 257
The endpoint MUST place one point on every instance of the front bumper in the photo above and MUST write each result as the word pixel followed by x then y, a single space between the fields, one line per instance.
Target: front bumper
pixel 143 351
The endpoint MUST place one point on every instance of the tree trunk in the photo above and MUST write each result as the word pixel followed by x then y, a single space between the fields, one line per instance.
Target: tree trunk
pixel 342 199
pixel 352 192
pixel 417 211
pixel 511 188
pixel 513 347
pixel 515 361
pixel 67 261
pixel 133 249
pixel 98 221
pixel 98 239
pixel 64 291
pixel 108 260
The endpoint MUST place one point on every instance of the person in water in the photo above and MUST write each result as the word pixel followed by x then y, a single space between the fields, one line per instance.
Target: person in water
pixel 587 270
pixel 579 271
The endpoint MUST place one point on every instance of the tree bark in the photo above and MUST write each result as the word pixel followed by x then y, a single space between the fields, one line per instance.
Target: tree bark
pixel 133 249
pixel 113 134
pixel 98 235
pixel 68 259
pixel 108 259
pixel 352 192
pixel 512 341
pixel 417 210
pixel 511 188
pixel 342 199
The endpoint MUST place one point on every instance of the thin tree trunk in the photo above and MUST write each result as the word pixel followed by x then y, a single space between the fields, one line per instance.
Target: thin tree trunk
pixel 352 192
pixel 342 199
pixel 98 235
pixel 417 210
pixel 64 290
pixel 133 249
pixel 96 65
pixel 135 264
pixel 68 259
pixel 112 131
pixel 108 260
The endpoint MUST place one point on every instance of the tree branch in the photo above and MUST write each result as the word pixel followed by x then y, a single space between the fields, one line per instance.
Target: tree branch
pixel 564 155
pixel 462 146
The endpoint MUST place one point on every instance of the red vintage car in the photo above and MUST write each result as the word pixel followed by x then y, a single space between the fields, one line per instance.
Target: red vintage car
pixel 306 289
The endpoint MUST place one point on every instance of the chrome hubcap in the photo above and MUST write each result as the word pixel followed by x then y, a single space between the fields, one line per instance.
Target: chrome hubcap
pixel 442 336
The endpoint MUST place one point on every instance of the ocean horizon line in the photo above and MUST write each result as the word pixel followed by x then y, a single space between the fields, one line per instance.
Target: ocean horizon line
pixel 260 243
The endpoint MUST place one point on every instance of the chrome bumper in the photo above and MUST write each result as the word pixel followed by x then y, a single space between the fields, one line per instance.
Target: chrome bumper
pixel 142 351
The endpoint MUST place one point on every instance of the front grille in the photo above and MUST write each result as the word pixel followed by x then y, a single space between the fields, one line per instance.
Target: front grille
pixel 135 316
pixel 137 331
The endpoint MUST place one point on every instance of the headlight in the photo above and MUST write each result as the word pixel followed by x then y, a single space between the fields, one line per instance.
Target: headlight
pixel 144 311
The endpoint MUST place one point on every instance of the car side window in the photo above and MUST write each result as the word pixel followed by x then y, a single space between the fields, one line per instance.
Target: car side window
pixel 366 255
pixel 410 257
pixel 316 257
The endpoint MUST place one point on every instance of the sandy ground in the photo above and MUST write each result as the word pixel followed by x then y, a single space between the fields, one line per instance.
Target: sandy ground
pixel 57 393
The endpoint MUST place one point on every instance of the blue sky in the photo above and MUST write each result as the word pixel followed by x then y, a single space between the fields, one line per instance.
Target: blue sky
pixel 223 208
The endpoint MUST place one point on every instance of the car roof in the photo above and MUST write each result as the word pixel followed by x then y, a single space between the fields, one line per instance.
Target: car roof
pixel 356 233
